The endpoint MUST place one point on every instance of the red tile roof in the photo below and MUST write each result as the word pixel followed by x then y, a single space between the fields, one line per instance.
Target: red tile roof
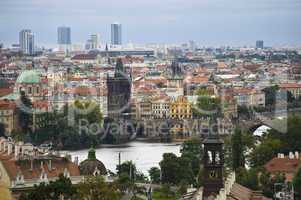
pixel 290 86
pixel 283 165
pixel 58 166
pixel 84 57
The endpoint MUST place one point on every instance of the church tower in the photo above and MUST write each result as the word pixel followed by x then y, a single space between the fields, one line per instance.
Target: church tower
pixel 119 92
pixel 213 161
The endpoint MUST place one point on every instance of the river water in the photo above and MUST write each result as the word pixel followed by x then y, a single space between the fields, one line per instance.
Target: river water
pixel 144 154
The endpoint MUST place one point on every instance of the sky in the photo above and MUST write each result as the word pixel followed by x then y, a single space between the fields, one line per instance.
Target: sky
pixel 208 22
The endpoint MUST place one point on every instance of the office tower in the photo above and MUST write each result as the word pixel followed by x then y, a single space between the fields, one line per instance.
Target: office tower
pixel 259 44
pixel 64 35
pixel 192 45
pixel 116 34
pixel 93 42
pixel 26 40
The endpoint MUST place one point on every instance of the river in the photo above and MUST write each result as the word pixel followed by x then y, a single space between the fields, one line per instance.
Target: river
pixel 144 154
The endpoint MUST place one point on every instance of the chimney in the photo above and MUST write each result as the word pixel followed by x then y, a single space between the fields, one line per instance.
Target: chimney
pixel 50 165
pixel 297 155
pixel 76 160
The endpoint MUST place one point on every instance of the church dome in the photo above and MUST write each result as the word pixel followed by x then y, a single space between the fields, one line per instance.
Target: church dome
pixel 91 166
pixel 29 77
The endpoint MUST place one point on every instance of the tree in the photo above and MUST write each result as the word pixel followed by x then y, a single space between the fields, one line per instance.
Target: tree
pixel 270 95
pixel 265 152
pixel 169 168
pixel 297 183
pixel 248 178
pixel 2 130
pixel 237 150
pixel 95 188
pixel 24 113
pixel 155 174
pixel 207 104
pixel 51 191
pixel 192 150
pixel 185 174
pixel 127 167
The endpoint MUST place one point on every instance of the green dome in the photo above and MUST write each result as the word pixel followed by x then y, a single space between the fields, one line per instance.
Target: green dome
pixel 29 76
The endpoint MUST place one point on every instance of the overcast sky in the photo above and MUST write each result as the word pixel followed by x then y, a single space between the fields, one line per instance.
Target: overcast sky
pixel 208 22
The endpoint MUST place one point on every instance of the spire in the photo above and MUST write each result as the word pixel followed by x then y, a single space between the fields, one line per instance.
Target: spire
pixel 91 154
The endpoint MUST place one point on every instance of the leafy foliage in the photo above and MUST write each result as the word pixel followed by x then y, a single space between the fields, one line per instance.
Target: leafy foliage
pixel 24 113
pixel 51 191
pixel 96 188
pixel 154 174
pixel 297 183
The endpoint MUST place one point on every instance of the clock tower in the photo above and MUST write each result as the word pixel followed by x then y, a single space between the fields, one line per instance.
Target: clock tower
pixel 213 161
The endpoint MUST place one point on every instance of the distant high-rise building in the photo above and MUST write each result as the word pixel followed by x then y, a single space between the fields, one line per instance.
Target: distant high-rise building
pixel 116 34
pixel 259 44
pixel 93 42
pixel 64 35
pixel 192 45
pixel 26 41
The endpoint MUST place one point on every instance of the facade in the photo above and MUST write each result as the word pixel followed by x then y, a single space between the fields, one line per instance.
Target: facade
pixel 64 35
pixel 180 108
pixel 144 109
pixel 8 116
pixel 249 97
pixel 160 108
pixel 293 88
pixel 116 34
pixel 86 59
pixel 26 41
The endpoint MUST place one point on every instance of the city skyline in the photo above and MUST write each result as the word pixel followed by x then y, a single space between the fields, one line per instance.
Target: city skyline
pixel 214 22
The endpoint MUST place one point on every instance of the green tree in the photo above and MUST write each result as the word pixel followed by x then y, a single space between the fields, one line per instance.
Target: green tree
pixel 24 113
pixel 207 104
pixel 155 174
pixel 297 183
pixel 265 152
pixel 192 150
pixel 95 188
pixel 169 168
pixel 52 191
pixel 248 178
pixel 127 167
pixel 237 150
pixel 2 130
pixel 270 95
